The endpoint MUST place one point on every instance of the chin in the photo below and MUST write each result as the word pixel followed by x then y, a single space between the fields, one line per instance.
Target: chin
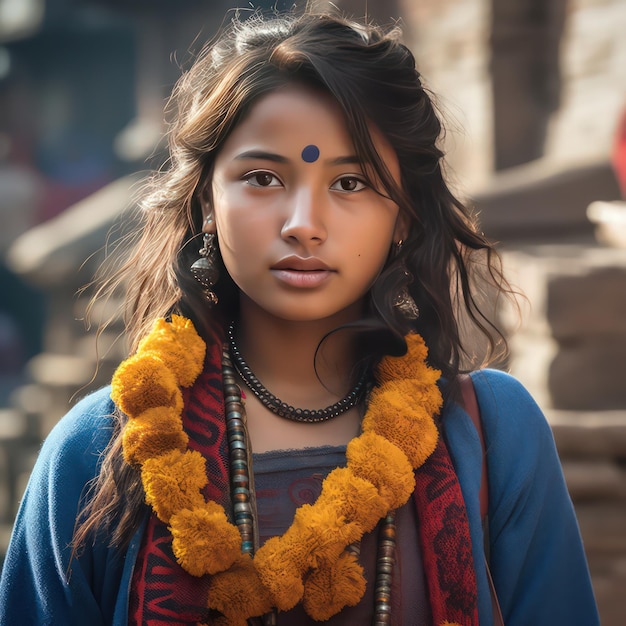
pixel 311 315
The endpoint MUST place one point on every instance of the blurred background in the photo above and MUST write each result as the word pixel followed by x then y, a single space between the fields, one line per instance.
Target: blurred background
pixel 534 96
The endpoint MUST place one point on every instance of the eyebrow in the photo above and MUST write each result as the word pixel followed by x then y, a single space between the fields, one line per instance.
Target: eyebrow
pixel 259 154
pixel 345 160
pixel 277 158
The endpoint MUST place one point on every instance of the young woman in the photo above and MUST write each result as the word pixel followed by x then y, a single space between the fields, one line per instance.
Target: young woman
pixel 287 442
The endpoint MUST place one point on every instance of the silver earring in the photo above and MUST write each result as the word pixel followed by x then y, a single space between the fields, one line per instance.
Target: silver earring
pixel 204 270
pixel 406 305
pixel 404 301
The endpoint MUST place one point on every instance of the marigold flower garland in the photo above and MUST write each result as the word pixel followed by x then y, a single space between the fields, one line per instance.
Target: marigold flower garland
pixel 309 563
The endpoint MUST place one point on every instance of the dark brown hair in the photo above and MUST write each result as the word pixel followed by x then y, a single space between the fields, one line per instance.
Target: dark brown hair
pixel 373 77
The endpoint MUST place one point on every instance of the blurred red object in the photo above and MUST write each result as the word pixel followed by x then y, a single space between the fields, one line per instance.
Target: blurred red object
pixel 619 153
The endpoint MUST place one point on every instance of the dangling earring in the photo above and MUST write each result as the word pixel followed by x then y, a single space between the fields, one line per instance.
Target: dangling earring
pixel 406 305
pixel 204 270
pixel 404 301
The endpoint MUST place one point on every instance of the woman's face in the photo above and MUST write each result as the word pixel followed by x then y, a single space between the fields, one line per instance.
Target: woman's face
pixel 300 232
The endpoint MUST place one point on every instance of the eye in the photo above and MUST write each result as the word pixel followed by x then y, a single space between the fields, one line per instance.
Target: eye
pixel 349 184
pixel 262 179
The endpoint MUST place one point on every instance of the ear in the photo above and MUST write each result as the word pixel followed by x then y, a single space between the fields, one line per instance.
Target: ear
pixel 401 230
pixel 208 219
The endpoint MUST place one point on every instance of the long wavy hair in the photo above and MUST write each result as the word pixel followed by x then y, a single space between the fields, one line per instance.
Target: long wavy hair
pixel 373 78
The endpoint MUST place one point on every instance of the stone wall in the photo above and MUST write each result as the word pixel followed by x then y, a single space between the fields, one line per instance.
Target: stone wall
pixel 450 41
pixel 569 350
pixel 453 44
pixel 593 68
pixel 592 446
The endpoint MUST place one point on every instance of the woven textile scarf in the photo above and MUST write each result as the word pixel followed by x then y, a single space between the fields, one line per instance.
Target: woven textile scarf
pixel 162 592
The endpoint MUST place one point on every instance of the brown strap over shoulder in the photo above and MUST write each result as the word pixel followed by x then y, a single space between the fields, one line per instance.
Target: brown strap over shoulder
pixel 470 403
pixel 471 407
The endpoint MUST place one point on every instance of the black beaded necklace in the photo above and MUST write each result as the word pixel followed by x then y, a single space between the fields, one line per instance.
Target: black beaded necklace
pixel 282 409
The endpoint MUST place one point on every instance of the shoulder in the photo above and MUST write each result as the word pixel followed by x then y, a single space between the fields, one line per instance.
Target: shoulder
pixel 68 461
pixel 530 511
pixel 497 386
pixel 509 416
pixel 43 531
pixel 79 437
pixel 507 409
pixel 521 454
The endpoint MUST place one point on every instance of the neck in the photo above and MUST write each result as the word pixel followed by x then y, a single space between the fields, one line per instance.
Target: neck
pixel 284 356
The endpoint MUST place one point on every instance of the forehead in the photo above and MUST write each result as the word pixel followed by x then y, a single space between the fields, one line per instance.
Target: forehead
pixel 290 114
pixel 296 116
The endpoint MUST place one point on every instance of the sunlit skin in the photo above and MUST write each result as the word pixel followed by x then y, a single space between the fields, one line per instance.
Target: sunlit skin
pixel 304 240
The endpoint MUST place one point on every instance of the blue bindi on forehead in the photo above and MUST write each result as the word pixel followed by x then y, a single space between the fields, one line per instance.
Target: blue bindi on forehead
pixel 310 154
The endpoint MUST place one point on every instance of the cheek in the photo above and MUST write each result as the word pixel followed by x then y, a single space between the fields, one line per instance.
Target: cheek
pixel 367 261
pixel 375 238
pixel 236 249
pixel 228 233
pixel 243 245
pixel 229 220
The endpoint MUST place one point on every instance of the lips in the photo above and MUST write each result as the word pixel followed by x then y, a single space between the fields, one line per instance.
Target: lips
pixel 300 264
pixel 299 272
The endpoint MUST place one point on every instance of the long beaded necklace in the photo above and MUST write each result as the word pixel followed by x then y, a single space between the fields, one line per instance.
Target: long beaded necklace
pixel 282 409
pixel 244 506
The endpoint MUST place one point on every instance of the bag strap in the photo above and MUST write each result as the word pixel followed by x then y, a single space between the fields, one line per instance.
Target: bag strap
pixel 471 407
pixel 470 403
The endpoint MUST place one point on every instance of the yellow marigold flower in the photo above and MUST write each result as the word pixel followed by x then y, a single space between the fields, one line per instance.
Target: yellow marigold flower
pixel 410 428
pixel 238 593
pixel 410 365
pixel 328 589
pixel 173 482
pixel 417 438
pixel 428 394
pixel 203 540
pixel 143 382
pixel 293 546
pixel 353 498
pixel 152 433
pixel 425 398
pixel 281 563
pixel 179 346
pixel 405 394
pixel 324 531
pixel 383 464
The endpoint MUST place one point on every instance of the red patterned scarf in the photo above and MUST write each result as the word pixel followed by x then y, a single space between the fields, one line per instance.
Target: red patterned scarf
pixel 163 593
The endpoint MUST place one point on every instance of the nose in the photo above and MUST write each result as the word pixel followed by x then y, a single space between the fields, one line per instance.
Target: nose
pixel 305 222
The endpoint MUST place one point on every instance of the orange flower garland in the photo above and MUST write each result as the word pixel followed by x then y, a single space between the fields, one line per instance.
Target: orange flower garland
pixel 309 563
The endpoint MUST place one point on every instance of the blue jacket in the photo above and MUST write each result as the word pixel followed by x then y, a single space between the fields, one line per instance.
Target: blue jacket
pixel 537 559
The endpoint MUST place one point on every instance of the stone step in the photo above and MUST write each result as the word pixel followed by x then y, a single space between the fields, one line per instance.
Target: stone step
pixel 109 349
pixel 589 434
pixel 5 536
pixel 569 349
pixel 60 370
pixel 545 196
pixel 13 425
pixel 603 526
pixel 592 448
pixel 595 480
